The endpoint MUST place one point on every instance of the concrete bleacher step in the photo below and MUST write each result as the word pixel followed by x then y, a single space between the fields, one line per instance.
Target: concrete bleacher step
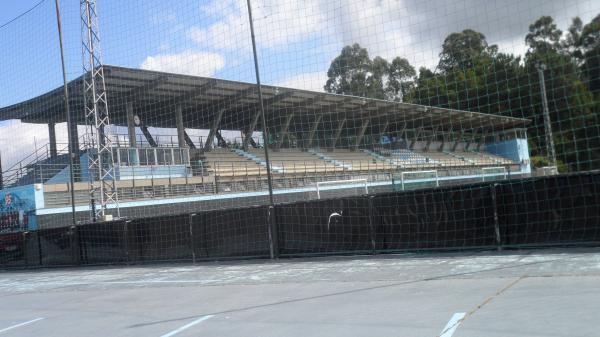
pixel 329 159
pixel 257 160
pixel 380 157
pixel 486 156
pixel 459 157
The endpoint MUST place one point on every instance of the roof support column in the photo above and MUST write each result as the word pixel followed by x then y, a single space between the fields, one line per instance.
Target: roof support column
pixel 180 128
pixel 414 141
pixel 285 128
pixel 430 139
pixel 445 138
pixel 383 129
pixel 481 140
pixel 213 129
pixel 250 130
pixel 361 133
pixel 460 137
pixel 131 124
pixel 313 130
pixel 338 132
pixel 52 139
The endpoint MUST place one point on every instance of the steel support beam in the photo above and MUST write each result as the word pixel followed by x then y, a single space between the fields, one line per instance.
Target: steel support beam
pixel 285 128
pixel 383 129
pixel 361 133
pixel 445 138
pixel 214 128
pixel 414 141
pixel 130 124
pixel 189 141
pixel 431 139
pixel 101 163
pixel 180 127
pixel 338 132
pixel 460 137
pixel 313 130
pixel 148 136
pixel 267 103
pixel 52 139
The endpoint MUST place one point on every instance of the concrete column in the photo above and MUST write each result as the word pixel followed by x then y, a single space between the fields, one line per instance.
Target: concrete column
pixel 361 133
pixel 131 124
pixel 213 129
pixel 414 141
pixel 285 128
pixel 52 139
pixel 180 128
pixel 313 130
pixel 338 132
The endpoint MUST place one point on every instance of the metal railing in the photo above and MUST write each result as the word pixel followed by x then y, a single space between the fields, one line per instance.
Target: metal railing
pixel 221 177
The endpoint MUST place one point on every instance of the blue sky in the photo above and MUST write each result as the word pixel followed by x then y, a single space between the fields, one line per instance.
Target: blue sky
pixel 296 39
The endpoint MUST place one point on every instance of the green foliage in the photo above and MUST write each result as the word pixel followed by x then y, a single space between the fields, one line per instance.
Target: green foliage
pixel 354 73
pixel 473 75
pixel 540 161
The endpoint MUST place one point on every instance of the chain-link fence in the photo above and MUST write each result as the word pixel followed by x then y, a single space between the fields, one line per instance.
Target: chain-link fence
pixel 170 108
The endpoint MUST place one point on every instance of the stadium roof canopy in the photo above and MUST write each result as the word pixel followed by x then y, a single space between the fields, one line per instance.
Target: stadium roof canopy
pixel 154 96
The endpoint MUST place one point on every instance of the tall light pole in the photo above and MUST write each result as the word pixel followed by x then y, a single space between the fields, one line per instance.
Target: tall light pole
pixel 265 135
pixel 547 126
pixel 72 151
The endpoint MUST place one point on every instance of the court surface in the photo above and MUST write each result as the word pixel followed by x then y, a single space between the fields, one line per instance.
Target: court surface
pixel 512 293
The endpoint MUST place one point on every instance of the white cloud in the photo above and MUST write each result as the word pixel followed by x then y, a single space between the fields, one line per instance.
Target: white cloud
pixel 276 23
pixel 414 29
pixel 30 136
pixel 307 81
pixel 187 62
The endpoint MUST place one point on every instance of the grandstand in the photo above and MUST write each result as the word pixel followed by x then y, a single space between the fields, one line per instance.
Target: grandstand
pixel 315 137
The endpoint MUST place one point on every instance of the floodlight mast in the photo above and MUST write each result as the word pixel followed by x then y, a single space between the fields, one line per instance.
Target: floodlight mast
pixel 547 125
pixel 101 163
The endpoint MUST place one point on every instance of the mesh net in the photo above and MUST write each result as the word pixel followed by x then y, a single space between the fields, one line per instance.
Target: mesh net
pixel 191 107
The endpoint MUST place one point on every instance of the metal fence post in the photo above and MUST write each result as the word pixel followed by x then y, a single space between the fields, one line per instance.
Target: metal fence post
pixel 192 242
pixel 126 240
pixel 273 235
pixel 496 222
pixel 25 254
pixel 372 234
pixel 74 242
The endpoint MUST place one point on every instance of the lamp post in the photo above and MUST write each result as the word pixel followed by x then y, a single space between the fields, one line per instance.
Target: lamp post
pixel 72 151
pixel 265 136
pixel 547 126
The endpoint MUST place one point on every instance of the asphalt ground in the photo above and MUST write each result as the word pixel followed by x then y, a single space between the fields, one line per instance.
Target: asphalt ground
pixel 511 293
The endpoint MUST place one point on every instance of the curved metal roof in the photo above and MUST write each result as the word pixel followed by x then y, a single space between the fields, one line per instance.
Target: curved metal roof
pixel 154 96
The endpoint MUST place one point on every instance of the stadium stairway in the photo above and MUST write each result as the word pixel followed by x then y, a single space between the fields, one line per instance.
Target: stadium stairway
pixel 460 157
pixel 257 160
pixel 328 159
pixel 380 157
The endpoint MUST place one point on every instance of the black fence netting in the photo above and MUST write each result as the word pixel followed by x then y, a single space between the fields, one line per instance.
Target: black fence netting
pixel 548 211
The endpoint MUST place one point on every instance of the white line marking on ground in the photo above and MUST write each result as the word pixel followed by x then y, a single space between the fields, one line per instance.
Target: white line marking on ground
pixel 21 324
pixel 187 326
pixel 452 324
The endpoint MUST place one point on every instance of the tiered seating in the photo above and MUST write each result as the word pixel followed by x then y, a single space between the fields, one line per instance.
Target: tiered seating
pixel 444 159
pixel 291 161
pixel 356 160
pixel 409 159
pixel 484 158
pixel 225 163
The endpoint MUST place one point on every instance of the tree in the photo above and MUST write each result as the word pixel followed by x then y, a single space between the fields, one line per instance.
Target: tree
pixel 590 45
pixel 543 35
pixel 571 45
pixel 351 73
pixel 354 73
pixel 461 50
pixel 401 76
